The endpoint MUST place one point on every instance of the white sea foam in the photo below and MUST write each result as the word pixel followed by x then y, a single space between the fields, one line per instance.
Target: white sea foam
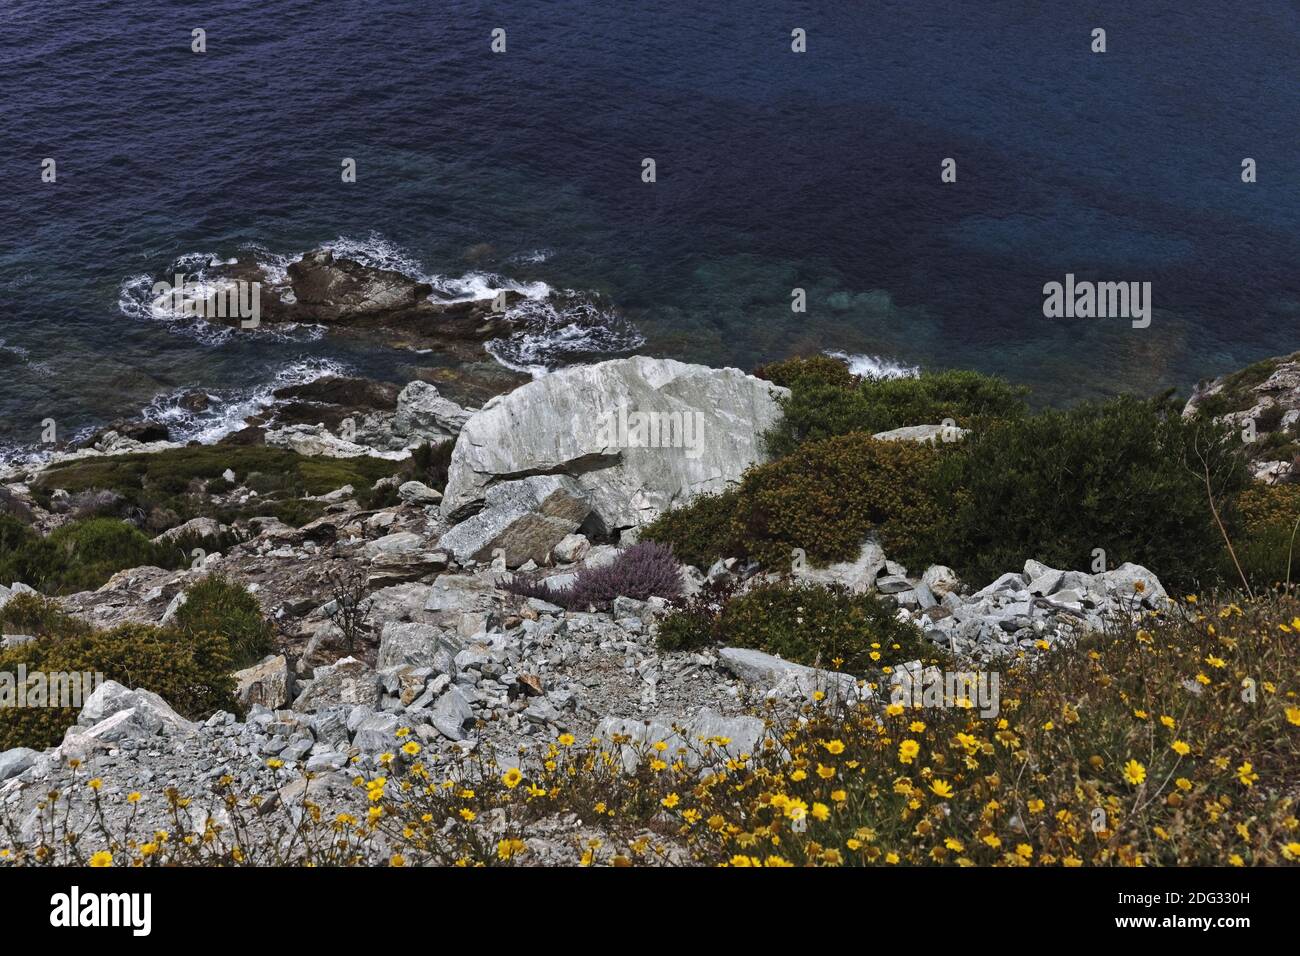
pixel 229 407
pixel 565 327
pixel 875 366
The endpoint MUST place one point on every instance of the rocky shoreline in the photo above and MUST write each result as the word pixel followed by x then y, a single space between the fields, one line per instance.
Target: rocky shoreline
pixel 450 655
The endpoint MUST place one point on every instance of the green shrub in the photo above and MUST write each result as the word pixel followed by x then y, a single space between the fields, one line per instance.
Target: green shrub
pixel 217 605
pixel 694 622
pixel 177 484
pixel 828 495
pixel 40 616
pixel 82 555
pixel 1124 476
pixel 14 535
pixel 805 372
pixel 79 556
pixel 823 403
pixel 806 623
pixel 825 498
pixel 190 671
pixel 1267 518
pixel 700 532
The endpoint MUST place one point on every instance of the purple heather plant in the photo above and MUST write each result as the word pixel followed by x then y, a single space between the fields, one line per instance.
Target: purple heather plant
pixel 646 569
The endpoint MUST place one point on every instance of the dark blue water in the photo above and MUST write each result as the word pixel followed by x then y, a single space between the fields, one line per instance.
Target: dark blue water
pixel 775 170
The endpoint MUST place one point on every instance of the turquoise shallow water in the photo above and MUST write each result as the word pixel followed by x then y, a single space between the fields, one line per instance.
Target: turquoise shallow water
pixel 775 170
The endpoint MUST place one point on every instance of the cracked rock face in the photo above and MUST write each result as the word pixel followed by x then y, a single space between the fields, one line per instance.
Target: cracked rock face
pixel 524 519
pixel 638 435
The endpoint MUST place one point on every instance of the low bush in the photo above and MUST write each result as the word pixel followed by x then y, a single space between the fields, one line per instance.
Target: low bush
pixel 824 498
pixel 700 531
pixel 191 671
pixel 1124 476
pixel 176 485
pixel 1267 538
pixel 216 605
pixel 824 403
pixel 79 556
pixel 695 621
pixel 82 555
pixel 40 616
pixel 827 496
pixel 831 628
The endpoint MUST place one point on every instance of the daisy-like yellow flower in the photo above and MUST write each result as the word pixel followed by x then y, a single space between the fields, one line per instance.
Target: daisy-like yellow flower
pixel 1217 662
pixel 826 773
pixel 834 747
pixel 1180 747
pixel 1246 774
pixel 671 800
pixel 1293 715
pixel 907 751
pixel 820 811
pixel 512 777
pixel 1134 772
pixel 101 859
pixel 839 796
pixel 1167 721
pixel 917 726
pixel 941 788
pixel 893 710
pixel 95 784
pixel 566 740
pixel 133 797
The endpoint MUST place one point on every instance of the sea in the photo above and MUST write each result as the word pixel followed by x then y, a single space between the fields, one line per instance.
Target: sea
pixel 912 173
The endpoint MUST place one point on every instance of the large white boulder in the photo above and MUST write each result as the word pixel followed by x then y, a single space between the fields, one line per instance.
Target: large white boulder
pixel 639 435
